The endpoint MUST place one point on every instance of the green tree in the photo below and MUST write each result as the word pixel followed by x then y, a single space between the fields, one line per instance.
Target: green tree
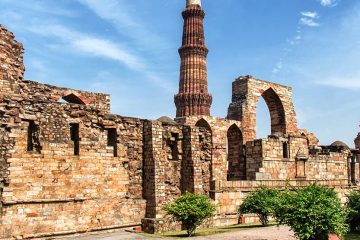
pixel 353 204
pixel 312 212
pixel 191 210
pixel 262 202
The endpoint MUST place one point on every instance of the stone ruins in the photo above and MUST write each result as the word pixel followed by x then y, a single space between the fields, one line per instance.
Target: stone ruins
pixel 75 167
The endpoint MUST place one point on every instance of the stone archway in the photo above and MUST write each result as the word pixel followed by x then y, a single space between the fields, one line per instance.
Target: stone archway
pixel 277 112
pixel 245 98
pixel 205 148
pixel 236 157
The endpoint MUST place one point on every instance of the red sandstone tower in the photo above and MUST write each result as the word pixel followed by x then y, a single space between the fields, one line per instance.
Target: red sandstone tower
pixel 193 97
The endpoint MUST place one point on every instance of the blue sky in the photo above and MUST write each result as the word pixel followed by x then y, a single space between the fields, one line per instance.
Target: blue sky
pixel 129 49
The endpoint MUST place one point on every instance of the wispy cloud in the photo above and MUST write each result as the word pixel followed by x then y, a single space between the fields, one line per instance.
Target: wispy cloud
pixel 92 45
pixel 336 68
pixel 105 48
pixel 120 14
pixel 308 22
pixel 329 3
pixel 100 47
pixel 342 82
pixel 41 7
pixel 309 19
pixel 278 67
pixel 310 14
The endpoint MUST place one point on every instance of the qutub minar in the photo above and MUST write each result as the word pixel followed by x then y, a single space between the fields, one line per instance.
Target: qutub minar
pixel 75 167
pixel 193 97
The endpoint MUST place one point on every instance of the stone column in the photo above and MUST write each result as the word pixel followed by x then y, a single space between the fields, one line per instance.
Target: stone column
pixel 191 173
pixel 153 182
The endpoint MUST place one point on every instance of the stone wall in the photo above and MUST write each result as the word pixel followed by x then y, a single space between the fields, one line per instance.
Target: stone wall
pixel 64 167
pixel 219 128
pixel 289 158
pixel 49 189
pixel 230 194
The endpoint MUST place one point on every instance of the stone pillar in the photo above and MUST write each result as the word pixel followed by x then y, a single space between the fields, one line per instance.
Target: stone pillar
pixel 11 59
pixel 153 182
pixel 357 154
pixel 191 172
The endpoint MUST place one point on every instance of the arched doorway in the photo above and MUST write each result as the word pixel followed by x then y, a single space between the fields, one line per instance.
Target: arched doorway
pixel 277 112
pixel 236 156
pixel 205 147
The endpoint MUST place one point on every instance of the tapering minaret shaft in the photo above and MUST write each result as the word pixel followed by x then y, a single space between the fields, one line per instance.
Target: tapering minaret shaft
pixel 193 97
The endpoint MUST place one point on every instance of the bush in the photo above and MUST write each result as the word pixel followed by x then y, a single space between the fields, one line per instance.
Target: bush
pixel 353 204
pixel 312 212
pixel 262 202
pixel 191 210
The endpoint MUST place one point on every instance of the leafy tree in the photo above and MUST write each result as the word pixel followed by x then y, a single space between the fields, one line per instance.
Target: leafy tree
pixel 312 212
pixel 353 204
pixel 191 210
pixel 262 202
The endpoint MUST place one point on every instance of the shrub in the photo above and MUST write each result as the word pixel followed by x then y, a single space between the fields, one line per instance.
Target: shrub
pixel 353 204
pixel 191 210
pixel 262 202
pixel 312 212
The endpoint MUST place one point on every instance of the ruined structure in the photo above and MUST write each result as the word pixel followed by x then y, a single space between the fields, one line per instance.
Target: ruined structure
pixel 75 167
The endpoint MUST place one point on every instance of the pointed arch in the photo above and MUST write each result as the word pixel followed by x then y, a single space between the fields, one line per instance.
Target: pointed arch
pixel 203 124
pixel 276 109
pixel 72 98
pixel 236 156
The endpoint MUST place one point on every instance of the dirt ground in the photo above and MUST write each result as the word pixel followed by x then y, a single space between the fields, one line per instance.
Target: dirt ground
pixel 264 233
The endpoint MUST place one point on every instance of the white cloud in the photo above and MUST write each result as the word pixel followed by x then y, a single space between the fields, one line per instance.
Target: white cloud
pixel 349 83
pixel 329 3
pixel 125 19
pixel 95 46
pixel 278 67
pixel 40 7
pixel 107 49
pixel 336 68
pixel 308 22
pixel 104 48
pixel 310 14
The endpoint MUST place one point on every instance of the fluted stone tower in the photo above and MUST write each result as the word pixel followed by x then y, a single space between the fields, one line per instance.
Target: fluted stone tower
pixel 193 97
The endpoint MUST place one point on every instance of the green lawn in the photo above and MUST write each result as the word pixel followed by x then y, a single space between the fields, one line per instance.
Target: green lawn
pixel 353 236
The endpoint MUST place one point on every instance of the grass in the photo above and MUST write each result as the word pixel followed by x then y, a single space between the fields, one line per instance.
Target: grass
pixel 353 236
pixel 208 231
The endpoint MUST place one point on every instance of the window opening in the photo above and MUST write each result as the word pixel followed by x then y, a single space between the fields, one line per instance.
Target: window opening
pixel 285 150
pixel 74 135
pixel 112 140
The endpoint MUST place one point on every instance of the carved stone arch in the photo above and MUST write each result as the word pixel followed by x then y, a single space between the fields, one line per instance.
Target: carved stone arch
pixel 72 98
pixel 277 111
pixel 236 156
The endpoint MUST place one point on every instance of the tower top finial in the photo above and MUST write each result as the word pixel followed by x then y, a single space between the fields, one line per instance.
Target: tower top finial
pixel 193 2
